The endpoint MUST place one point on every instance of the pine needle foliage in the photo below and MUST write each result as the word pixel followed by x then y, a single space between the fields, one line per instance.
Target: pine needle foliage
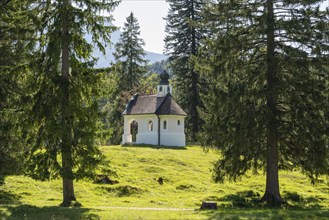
pixel 64 91
pixel 182 41
pixel 128 73
pixel 267 103
pixel 16 29
pixel 129 55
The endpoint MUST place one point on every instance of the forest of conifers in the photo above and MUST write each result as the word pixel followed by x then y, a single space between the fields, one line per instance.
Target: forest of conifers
pixel 253 77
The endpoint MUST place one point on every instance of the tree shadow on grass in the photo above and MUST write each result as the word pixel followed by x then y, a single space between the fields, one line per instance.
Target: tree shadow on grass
pixel 7 198
pixel 154 146
pixel 254 213
pixel 251 199
pixel 242 199
pixel 246 205
pixel 52 212
pixel 2 180
pixel 297 202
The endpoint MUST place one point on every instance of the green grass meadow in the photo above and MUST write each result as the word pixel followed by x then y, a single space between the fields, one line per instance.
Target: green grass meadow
pixel 186 174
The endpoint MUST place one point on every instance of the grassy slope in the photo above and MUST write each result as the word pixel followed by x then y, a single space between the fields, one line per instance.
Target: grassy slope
pixel 187 182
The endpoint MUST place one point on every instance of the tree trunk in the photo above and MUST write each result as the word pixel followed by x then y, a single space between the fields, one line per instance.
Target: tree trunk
pixel 195 79
pixel 66 148
pixel 68 188
pixel 272 194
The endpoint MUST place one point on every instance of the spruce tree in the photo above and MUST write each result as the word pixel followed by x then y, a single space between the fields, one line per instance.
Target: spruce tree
pixel 181 43
pixel 267 104
pixel 129 55
pixel 16 29
pixel 64 91
pixel 128 72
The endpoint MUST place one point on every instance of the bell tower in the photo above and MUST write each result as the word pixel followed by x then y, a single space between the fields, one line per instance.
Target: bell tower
pixel 163 88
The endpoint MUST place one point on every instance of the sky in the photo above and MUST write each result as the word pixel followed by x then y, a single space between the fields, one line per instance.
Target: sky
pixel 150 14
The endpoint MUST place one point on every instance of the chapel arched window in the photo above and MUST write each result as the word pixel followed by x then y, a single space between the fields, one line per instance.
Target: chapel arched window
pixel 150 125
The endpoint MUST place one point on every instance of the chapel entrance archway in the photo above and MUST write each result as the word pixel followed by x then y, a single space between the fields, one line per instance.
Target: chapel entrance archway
pixel 133 130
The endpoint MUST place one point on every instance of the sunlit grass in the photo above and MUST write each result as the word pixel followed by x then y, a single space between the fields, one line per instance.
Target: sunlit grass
pixel 186 183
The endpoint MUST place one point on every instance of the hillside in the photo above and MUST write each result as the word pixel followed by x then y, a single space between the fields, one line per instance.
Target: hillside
pixel 139 195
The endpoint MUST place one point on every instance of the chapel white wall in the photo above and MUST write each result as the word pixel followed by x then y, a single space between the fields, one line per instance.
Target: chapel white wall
pixel 144 136
pixel 172 136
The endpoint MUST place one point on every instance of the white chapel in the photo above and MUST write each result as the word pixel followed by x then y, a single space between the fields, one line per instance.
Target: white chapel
pixel 154 119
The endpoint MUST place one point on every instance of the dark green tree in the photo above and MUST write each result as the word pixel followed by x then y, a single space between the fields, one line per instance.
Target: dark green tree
pixel 128 73
pixel 64 91
pixel 112 107
pixel 130 55
pixel 158 67
pixel 181 43
pixel 267 106
pixel 16 30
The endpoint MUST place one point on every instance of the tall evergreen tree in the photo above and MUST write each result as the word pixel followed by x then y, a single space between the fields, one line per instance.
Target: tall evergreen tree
pixel 182 42
pixel 130 55
pixel 128 73
pixel 64 91
pixel 16 28
pixel 267 105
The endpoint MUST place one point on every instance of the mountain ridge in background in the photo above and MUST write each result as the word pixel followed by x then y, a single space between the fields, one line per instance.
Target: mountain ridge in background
pixel 105 61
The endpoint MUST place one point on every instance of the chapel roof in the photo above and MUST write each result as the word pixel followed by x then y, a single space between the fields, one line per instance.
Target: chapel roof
pixel 151 104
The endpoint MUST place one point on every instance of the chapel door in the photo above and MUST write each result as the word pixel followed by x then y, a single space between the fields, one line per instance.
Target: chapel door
pixel 133 130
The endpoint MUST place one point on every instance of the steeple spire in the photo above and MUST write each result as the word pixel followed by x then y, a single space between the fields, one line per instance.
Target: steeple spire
pixel 164 76
pixel 163 88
